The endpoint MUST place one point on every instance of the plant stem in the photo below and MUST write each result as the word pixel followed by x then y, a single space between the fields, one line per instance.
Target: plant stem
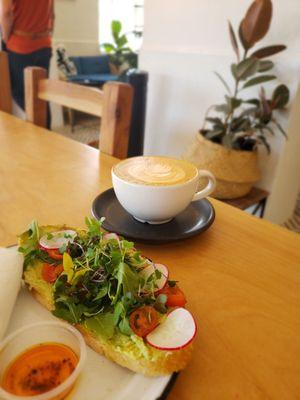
pixel 236 90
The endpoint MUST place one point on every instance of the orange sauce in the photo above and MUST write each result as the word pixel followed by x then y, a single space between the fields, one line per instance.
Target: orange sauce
pixel 39 369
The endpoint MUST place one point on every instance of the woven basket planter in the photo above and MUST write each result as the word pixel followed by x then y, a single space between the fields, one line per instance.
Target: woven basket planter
pixel 236 171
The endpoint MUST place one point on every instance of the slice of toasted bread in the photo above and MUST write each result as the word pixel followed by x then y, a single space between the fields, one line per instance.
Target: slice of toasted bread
pixel 158 362
pixel 166 362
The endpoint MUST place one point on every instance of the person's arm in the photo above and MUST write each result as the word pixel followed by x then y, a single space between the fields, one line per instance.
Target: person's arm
pixel 6 18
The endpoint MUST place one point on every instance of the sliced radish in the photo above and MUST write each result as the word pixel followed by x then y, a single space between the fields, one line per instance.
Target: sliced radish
pixel 109 236
pixel 57 239
pixel 149 270
pixel 176 332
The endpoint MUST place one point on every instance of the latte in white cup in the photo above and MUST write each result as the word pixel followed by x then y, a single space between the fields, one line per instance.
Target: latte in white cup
pixel 155 189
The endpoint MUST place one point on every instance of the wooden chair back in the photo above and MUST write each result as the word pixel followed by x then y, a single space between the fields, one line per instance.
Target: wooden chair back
pixel 5 86
pixel 113 104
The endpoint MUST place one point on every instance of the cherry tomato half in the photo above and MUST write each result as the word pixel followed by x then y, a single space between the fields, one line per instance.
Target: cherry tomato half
pixel 55 254
pixel 51 272
pixel 175 296
pixel 143 320
pixel 59 269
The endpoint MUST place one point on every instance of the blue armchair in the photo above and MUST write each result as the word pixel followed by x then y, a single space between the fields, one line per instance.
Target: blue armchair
pixel 93 70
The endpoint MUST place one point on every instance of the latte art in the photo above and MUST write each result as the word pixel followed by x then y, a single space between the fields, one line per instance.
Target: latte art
pixel 159 172
pixel 155 170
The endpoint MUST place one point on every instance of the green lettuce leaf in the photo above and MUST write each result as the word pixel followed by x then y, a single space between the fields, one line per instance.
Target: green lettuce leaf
pixel 68 310
pixel 102 324
pixel 128 281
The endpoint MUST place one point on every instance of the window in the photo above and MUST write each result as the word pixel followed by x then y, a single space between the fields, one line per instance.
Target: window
pixel 131 15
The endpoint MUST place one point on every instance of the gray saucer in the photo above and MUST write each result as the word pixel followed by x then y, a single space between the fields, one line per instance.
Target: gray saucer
pixel 196 218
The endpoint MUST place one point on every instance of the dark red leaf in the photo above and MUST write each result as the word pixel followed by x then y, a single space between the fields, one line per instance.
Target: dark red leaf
pixel 280 96
pixel 257 22
pixel 268 51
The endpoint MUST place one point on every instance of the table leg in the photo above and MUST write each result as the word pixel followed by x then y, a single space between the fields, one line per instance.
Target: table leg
pixel 261 208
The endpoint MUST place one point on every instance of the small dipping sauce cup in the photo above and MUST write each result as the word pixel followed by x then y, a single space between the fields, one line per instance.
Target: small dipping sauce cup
pixel 39 334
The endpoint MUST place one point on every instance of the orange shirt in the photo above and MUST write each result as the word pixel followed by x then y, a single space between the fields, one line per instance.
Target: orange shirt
pixel 31 16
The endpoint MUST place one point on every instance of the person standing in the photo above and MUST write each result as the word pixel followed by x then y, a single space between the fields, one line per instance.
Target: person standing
pixel 27 27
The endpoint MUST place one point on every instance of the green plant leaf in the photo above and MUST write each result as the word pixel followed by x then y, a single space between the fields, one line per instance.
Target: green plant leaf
pixel 102 292
pixel 234 71
pixel 265 66
pixel 257 22
pixel 281 96
pixel 116 28
pixel 268 51
pixel 246 68
pixel 213 134
pixel 108 47
pixel 121 41
pixel 264 127
pixel 128 280
pixel 68 266
pixel 68 310
pixel 30 240
pixel 93 225
pixel 223 81
pixel 279 127
pixel 222 108
pixel 258 80
pixel 127 50
pixel 255 102
pixel 234 41
pixel 233 103
pixel 241 123
pixel 102 324
pixel 119 310
pixel 264 141
pixel 125 327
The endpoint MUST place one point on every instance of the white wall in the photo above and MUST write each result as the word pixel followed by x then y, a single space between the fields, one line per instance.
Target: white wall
pixel 286 184
pixel 184 42
pixel 76 26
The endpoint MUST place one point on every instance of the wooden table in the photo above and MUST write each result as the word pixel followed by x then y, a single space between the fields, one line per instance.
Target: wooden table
pixel 242 277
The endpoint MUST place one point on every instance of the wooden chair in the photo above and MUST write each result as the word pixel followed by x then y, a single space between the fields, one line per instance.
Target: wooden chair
pixel 113 104
pixel 5 86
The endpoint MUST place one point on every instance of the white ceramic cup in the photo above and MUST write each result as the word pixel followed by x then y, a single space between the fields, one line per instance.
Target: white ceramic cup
pixel 158 204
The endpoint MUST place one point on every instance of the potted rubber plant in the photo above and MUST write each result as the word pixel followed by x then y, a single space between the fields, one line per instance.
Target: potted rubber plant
pixel 232 131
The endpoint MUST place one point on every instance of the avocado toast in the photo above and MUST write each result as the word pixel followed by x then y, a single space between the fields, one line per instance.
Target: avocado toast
pixel 123 303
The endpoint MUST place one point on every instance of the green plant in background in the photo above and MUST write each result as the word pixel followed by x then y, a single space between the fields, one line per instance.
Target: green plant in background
pixel 122 57
pixel 243 123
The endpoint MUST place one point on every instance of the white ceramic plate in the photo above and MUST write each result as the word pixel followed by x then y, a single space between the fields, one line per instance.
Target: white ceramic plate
pixel 101 378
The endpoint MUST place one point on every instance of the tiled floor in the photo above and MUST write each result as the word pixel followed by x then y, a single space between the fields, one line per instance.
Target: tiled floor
pixel 86 130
